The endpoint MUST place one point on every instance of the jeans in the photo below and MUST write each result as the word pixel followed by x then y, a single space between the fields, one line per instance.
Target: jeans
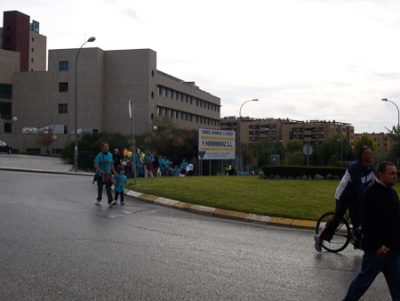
pixel 341 207
pixel 372 265
pixel 100 189
pixel 121 194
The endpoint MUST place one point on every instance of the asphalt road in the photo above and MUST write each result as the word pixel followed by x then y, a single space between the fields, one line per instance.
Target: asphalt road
pixel 55 244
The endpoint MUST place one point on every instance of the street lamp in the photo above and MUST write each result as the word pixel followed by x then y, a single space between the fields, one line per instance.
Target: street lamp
pixel 398 112
pixel 240 131
pixel 130 109
pixel 91 39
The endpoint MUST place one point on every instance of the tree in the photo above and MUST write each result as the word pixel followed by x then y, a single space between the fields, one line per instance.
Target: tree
pixel 46 138
pixel 294 153
pixel 172 142
pixel 89 146
pixel 364 141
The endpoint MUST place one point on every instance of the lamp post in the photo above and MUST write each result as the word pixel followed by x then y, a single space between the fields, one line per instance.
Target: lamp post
pixel 130 109
pixel 398 112
pixel 240 131
pixel 13 131
pixel 91 39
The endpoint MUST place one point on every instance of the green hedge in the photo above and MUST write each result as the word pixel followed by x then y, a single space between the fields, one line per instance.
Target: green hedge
pixel 299 171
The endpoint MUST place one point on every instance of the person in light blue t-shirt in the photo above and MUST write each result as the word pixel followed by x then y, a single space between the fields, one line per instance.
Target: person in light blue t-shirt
pixel 120 183
pixel 103 163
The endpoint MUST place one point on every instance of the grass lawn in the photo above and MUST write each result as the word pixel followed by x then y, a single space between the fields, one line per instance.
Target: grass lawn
pixel 300 199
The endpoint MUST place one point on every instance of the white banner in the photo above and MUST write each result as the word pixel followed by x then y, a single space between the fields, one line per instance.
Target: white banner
pixel 216 144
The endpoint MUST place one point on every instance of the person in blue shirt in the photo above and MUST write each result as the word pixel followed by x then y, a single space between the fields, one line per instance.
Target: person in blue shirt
pixel 120 183
pixel 148 164
pixel 139 164
pixel 183 166
pixel 175 171
pixel 103 163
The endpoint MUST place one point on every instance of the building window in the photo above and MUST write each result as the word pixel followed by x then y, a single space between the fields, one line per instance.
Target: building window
pixel 62 87
pixel 62 108
pixel 7 127
pixel 63 65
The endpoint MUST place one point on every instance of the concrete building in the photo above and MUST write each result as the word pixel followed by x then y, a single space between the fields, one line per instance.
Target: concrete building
pixel 20 35
pixel 106 82
pixel 382 141
pixel 314 132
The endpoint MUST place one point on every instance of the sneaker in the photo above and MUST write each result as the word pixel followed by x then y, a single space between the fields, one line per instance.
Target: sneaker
pixel 98 203
pixel 122 203
pixel 112 204
pixel 318 244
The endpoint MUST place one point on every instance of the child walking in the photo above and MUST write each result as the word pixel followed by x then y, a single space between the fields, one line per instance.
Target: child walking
pixel 120 183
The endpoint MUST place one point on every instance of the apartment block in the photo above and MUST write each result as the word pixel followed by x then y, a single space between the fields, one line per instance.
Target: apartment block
pixel 314 132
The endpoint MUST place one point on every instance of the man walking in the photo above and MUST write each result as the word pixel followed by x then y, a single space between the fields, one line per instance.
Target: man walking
pixel 380 222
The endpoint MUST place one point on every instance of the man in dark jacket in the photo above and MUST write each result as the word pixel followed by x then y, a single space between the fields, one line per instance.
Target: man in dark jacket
pixel 356 179
pixel 380 222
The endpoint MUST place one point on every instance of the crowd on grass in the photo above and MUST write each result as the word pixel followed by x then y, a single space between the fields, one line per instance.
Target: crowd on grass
pixel 231 171
pixel 148 164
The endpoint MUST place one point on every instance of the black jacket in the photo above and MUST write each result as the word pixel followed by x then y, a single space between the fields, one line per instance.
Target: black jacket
pixel 380 218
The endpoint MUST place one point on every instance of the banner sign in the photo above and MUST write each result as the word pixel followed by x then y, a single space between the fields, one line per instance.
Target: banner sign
pixel 216 144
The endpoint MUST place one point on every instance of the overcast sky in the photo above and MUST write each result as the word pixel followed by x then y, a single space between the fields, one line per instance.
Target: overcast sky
pixel 303 59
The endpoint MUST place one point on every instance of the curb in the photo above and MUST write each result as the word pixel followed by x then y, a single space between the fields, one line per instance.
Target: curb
pixel 223 213
pixel 71 173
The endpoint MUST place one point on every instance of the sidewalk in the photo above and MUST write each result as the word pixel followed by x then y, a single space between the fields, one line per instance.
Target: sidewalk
pixel 45 164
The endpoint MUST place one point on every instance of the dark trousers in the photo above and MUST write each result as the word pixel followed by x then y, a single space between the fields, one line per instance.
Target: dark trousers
pixel 372 265
pixel 341 207
pixel 100 189
pixel 121 194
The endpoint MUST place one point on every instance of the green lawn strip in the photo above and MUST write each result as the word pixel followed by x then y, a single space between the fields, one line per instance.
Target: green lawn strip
pixel 299 199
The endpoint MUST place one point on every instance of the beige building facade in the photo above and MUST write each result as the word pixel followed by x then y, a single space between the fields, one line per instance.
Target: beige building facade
pixel 382 141
pixel 314 132
pixel 106 82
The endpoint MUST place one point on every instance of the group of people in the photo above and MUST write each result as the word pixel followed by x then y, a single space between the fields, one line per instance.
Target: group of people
pixel 230 171
pixel 375 214
pixel 114 169
pixel 146 164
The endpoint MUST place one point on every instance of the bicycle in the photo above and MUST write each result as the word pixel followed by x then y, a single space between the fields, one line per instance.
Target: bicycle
pixel 343 236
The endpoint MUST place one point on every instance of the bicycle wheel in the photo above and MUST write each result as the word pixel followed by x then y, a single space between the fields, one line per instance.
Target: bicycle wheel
pixel 341 237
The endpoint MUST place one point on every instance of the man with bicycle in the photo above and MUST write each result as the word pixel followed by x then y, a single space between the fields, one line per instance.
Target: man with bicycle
pixel 380 221
pixel 355 180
